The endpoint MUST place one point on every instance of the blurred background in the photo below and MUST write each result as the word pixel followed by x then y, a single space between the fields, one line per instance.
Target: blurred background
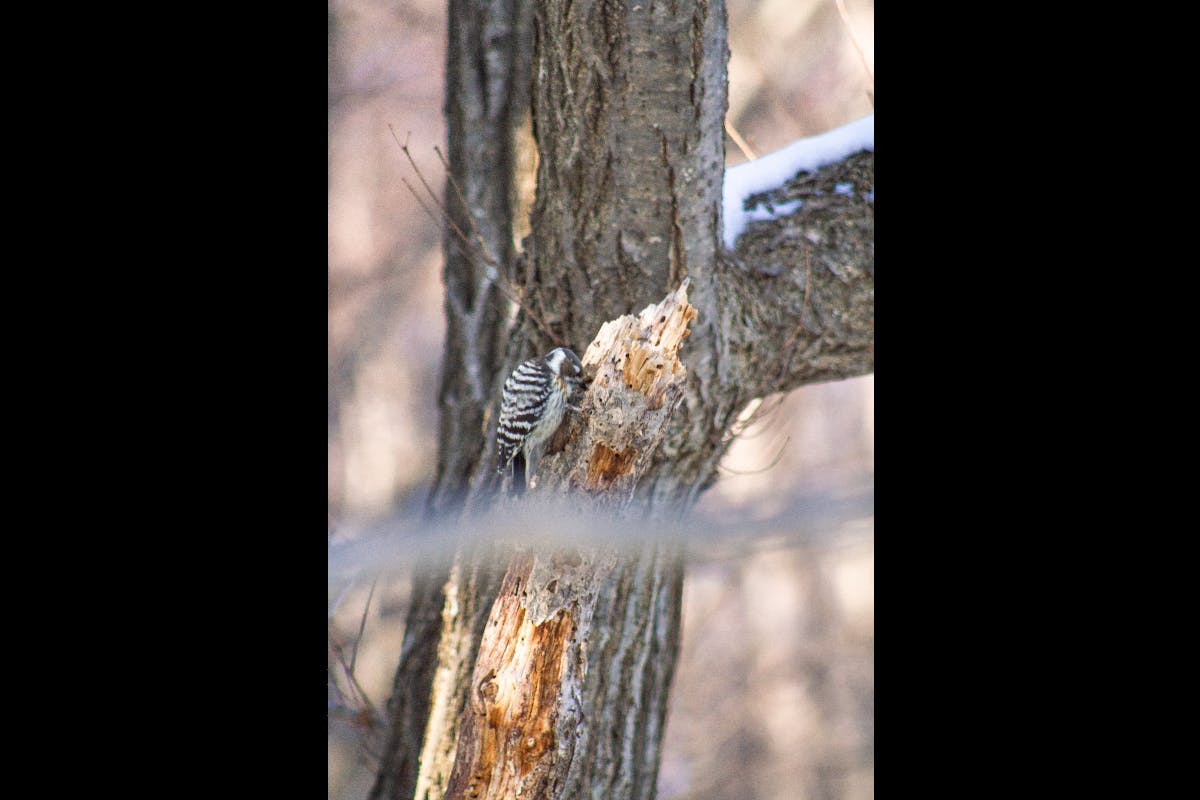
pixel 774 695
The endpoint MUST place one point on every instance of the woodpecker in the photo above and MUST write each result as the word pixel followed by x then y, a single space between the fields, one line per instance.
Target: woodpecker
pixel 536 395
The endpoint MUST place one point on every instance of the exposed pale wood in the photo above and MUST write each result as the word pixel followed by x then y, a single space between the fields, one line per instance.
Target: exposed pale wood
pixel 507 736
pixel 636 381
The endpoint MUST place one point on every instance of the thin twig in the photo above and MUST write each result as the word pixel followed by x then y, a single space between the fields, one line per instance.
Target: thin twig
pixel 483 245
pixel 774 461
pixel 477 256
pixel 360 696
pixel 416 169
pixel 362 624
pixel 554 337
pixel 759 415
pixel 841 7
pixel 466 207
pixel 445 214
pixel 742 144
pixel 463 244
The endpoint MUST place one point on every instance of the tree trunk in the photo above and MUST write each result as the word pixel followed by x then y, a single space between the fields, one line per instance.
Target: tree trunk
pixel 538 673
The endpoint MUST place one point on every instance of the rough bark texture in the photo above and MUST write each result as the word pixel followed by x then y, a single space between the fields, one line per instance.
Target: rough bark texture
pixel 628 106
pixel 806 282
pixel 794 304
pixel 575 652
pixel 561 702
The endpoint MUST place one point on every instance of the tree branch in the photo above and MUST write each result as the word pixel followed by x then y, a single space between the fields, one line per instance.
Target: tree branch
pixel 793 304
pixel 805 281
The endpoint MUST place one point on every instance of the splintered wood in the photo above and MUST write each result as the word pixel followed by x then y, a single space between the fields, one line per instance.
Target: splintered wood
pixel 642 352
pixel 636 375
pixel 506 745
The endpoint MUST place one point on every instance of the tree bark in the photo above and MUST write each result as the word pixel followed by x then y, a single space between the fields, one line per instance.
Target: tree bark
pixel 550 672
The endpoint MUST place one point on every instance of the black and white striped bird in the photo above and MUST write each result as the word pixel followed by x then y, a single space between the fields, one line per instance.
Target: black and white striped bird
pixel 536 395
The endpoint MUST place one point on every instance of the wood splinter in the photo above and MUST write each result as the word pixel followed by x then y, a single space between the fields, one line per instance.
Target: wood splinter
pixel 636 380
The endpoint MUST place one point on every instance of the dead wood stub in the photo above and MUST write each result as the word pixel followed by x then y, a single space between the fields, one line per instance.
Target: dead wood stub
pixel 641 352
pixel 635 381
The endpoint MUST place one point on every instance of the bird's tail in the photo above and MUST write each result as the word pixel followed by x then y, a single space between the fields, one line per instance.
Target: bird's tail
pixel 518 465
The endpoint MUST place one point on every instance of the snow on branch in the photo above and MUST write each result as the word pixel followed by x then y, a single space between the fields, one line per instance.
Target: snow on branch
pixel 775 169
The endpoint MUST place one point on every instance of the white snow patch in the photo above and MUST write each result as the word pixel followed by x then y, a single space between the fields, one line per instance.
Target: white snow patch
pixel 775 169
pixel 761 212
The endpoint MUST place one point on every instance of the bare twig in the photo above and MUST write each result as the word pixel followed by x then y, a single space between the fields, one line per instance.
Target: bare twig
pixel 466 208
pixel 362 624
pixel 742 144
pixel 477 256
pixel 445 214
pixel 463 245
pixel 760 414
pixel 841 7
pixel 778 457
pixel 360 699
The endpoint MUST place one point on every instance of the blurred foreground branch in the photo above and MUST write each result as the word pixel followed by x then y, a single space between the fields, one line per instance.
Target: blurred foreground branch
pixel 397 545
